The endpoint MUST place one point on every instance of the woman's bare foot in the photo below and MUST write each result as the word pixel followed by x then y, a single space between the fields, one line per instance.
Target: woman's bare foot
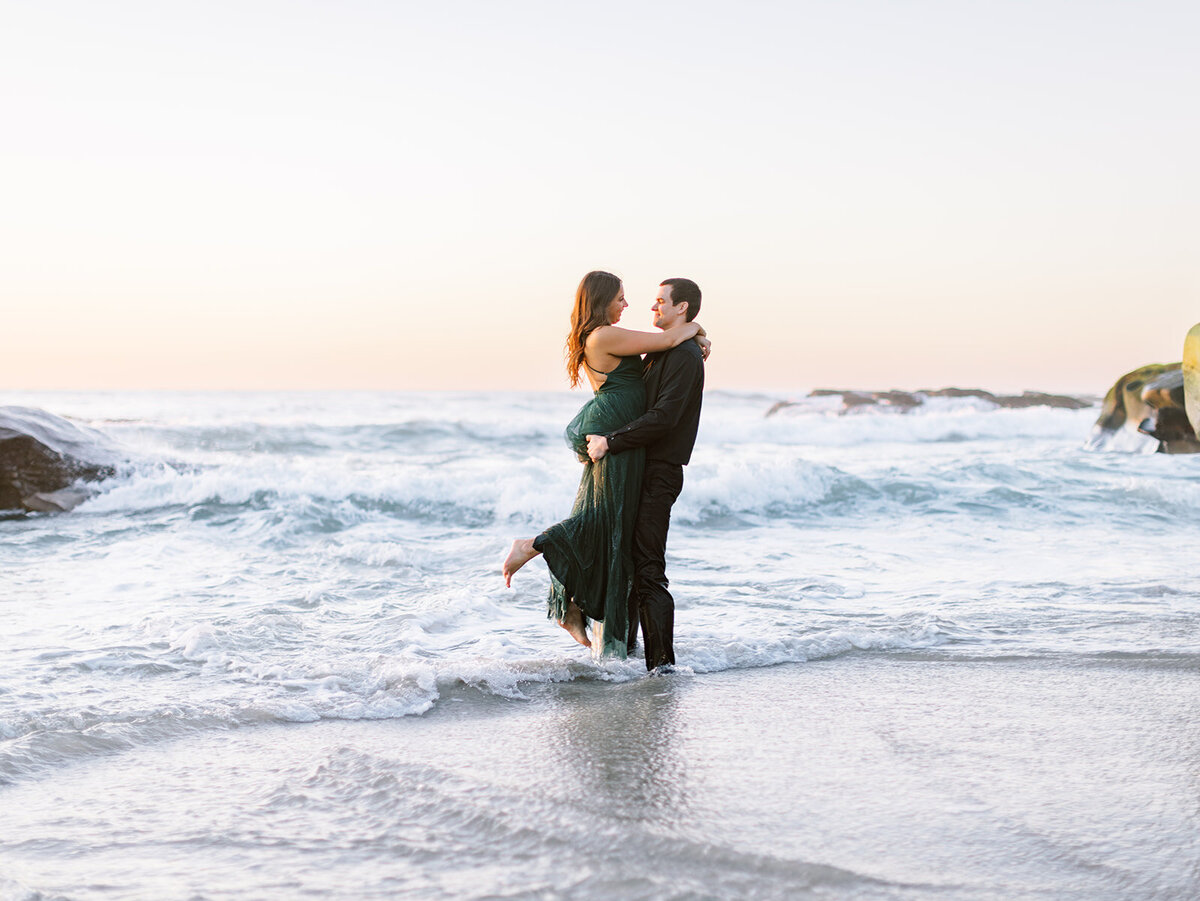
pixel 575 625
pixel 522 552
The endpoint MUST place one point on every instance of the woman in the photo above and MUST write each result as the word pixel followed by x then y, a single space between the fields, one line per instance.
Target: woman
pixel 588 554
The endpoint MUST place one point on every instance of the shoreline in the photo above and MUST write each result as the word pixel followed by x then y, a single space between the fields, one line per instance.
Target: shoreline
pixel 869 776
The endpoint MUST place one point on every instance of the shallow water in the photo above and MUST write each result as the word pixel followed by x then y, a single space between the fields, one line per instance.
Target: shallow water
pixel 861 777
pixel 270 565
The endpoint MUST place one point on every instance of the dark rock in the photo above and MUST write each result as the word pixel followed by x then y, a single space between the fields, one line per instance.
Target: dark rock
pixel 850 399
pixel 1039 399
pixel 1150 400
pixel 857 399
pixel 907 400
pixel 1168 419
pixel 958 392
pixel 42 456
pixel 1165 391
pixel 895 398
pixel 1168 424
pixel 1014 401
pixel 1123 403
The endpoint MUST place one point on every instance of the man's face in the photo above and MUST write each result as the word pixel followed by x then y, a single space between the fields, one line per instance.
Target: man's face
pixel 666 314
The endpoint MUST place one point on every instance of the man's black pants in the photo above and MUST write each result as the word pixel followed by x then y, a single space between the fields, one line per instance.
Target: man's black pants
pixel 650 604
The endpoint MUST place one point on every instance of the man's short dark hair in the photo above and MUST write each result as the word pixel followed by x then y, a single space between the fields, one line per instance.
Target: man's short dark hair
pixel 684 290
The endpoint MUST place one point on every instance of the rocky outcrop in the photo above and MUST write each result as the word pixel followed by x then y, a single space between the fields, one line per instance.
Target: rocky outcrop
pixel 1150 401
pixel 1123 404
pixel 45 460
pixel 1191 377
pixel 1168 419
pixel 1016 401
pixel 907 400
pixel 901 400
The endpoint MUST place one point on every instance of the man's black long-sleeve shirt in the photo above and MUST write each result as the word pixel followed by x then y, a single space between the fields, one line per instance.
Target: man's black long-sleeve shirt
pixel 674 388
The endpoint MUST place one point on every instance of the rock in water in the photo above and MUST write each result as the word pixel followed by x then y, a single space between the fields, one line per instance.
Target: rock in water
pixel 1150 401
pixel 1191 377
pixel 904 401
pixel 42 456
pixel 1168 420
pixel 1123 403
pixel 1164 391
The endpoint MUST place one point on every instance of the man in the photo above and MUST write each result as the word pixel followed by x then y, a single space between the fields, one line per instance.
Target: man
pixel 674 386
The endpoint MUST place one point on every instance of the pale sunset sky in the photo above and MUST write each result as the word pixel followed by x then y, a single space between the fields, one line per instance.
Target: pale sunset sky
pixel 404 195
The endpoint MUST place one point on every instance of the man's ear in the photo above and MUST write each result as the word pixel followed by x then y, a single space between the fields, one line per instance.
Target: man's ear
pixel 683 304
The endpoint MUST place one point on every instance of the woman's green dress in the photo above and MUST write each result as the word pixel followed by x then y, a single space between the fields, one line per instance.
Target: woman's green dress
pixel 589 554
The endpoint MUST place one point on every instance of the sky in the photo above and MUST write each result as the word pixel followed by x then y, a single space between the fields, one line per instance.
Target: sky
pixel 404 195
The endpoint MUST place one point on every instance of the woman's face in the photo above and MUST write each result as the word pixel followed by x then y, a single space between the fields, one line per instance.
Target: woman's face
pixel 616 307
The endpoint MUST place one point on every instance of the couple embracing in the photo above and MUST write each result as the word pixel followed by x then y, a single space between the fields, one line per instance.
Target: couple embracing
pixel 607 560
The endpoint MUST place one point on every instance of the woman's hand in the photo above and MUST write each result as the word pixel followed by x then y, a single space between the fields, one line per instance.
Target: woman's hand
pixel 705 345
pixel 597 447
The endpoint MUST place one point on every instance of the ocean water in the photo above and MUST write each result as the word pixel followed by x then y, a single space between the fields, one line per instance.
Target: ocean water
pixel 946 653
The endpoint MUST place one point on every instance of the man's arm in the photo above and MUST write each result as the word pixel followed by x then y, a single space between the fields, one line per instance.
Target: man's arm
pixel 681 375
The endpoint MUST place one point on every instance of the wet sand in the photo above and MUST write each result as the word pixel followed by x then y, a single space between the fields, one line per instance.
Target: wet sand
pixel 866 776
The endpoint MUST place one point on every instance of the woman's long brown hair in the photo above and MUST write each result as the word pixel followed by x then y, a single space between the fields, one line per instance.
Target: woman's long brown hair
pixel 597 290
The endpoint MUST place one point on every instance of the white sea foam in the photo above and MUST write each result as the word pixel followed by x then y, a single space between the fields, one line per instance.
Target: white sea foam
pixel 763 482
pixel 714 652
pixel 13 890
